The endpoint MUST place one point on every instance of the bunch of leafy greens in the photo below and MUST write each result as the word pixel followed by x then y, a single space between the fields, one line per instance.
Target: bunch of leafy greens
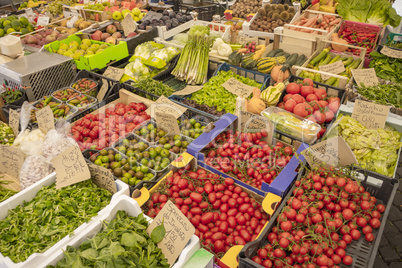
pixel 214 94
pixel 375 149
pixel 199 30
pixel 155 87
pixel 369 11
pixel 386 67
pixel 124 242
pixel 383 94
pixel 37 225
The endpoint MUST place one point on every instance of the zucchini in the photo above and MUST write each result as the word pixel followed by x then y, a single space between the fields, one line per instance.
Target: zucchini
pixel 286 55
pixel 292 59
pixel 300 60
pixel 280 54
pixel 274 53
pixel 327 59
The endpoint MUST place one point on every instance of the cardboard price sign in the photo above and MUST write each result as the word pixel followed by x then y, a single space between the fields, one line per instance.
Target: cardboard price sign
pixel 102 177
pixel 250 121
pixel 392 53
pixel 178 231
pixel 332 152
pixel 333 68
pixel 367 77
pixel 128 25
pixel 45 119
pixel 11 161
pixel 71 167
pixel 112 73
pixel 43 21
pixel 369 114
pixel 168 123
pixel 238 88
pixel 187 90
pixel 165 106
pixel 14 121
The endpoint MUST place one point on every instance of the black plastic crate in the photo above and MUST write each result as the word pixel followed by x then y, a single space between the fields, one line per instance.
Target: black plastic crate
pixel 99 79
pixel 362 252
pixel 330 89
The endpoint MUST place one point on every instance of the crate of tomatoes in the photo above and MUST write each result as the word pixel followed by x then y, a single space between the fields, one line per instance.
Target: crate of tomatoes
pixel 331 218
pixel 247 156
pixel 225 214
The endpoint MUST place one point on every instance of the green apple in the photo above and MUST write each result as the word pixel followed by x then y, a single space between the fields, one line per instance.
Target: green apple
pixel 124 12
pixel 73 48
pixel 83 47
pixel 92 49
pixel 142 15
pixel 96 46
pixel 117 15
pixel 63 46
pixel 136 18
pixel 127 14
pixel 77 55
pixel 103 46
pixel 89 52
pixel 86 42
pixel 136 11
pixel 68 53
pixel 74 43
pixel 61 51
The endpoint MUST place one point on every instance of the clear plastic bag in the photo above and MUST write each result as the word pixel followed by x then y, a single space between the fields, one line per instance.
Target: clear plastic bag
pixel 56 140
pixel 30 142
pixel 35 168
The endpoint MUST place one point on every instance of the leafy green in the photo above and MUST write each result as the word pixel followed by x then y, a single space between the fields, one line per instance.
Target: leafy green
pixel 123 242
pixel 158 233
pixel 199 30
pixel 155 87
pixel 375 150
pixel 369 11
pixel 386 67
pixel 5 193
pixel 383 94
pixel 37 225
pixel 214 94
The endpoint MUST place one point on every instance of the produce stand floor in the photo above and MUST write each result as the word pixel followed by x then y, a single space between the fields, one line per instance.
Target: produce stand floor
pixel 390 250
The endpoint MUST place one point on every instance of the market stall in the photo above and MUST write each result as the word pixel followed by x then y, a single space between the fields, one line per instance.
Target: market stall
pixel 144 134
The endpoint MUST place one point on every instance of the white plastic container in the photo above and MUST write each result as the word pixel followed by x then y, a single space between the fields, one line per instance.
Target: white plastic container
pixel 133 209
pixel 37 259
pixel 11 46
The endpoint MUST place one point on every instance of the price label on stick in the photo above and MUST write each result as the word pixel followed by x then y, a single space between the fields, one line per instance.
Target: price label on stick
pixel 369 114
pixel 102 177
pixel 392 53
pixel 165 106
pixel 112 73
pixel 188 90
pixel 333 68
pixel 238 88
pixel 43 21
pixel 332 152
pixel 367 77
pixel 71 167
pixel 14 121
pixel 252 122
pixel 128 25
pixel 45 119
pixel 168 123
pixel 178 231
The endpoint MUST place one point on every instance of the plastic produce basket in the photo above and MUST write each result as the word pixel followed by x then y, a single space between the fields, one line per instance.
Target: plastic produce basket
pixel 362 252
pixel 395 38
pixel 132 208
pixel 331 91
pixel 37 259
pixel 257 76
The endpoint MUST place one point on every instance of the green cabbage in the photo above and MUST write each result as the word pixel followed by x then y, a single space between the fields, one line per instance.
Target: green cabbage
pixel 369 11
pixel 199 30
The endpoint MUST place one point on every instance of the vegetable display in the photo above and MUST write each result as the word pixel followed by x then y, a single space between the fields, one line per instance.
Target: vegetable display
pixel 327 211
pixel 386 94
pixel 369 11
pixel 214 94
pixel 65 94
pixel 121 241
pixel 272 16
pixel 247 157
pixel 51 215
pixel 155 87
pixel 386 67
pixel 223 214
pixel 86 86
pixel 176 144
pixel 100 130
pixel 5 193
pixel 191 128
pixel 325 58
pixel 6 134
pixel 362 37
pixel 375 150
pixel 10 95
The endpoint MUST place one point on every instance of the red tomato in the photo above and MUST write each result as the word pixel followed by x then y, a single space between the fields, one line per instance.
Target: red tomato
pixel 319 117
pixel 329 115
pixel 293 88
pixel 311 97
pixel 290 105
pixel 287 97
pixel 333 106
pixel 298 98
pixel 308 81
pixel 321 93
pixel 306 90
pixel 196 197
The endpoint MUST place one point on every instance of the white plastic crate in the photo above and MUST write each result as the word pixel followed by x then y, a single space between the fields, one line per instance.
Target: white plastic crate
pixel 133 209
pixel 247 31
pixel 37 259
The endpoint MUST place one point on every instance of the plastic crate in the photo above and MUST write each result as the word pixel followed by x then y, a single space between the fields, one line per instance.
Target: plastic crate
pixel 229 121
pixel 362 252
pixel 100 79
pixel 132 208
pixel 37 259
pixel 340 93
pixel 394 38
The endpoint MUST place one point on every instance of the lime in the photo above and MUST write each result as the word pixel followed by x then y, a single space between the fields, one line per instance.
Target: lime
pixel 192 121
pixel 176 137
pixel 177 143
pixel 118 157
pixel 127 175
pixel 149 176
pixel 167 146
pixel 122 149
pixel 24 21
pixel 103 152
pixel 16 25
pixel 116 165
pixel 153 153
pixel 98 162
pixel 6 22
pixel 144 169
pixel 124 179
pixel 1 22
pixel 132 161
pixel 144 161
pixel 105 165
pixel 1 32
pixel 105 159
pixel 10 30
pixel 24 31
pixel 150 127
pixel 164 165
pixel 165 153
pixel 197 125
pixel 30 28
pixel 12 17
pixel 131 181
pixel 158 149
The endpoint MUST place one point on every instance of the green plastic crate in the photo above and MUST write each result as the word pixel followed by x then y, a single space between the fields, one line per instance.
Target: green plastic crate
pixel 99 61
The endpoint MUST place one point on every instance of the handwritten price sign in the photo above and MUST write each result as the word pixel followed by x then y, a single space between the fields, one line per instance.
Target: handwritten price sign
pixel 238 88
pixel 102 177
pixel 11 160
pixel 370 115
pixel 333 68
pixel 367 77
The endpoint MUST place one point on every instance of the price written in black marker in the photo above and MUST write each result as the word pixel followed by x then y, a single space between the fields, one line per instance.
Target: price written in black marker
pixel 370 115
pixel 238 88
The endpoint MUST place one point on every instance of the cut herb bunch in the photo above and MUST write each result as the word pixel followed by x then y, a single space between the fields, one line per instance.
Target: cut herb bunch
pixel 155 87
pixel 193 62
pixel 386 67
pixel 123 242
pixel 4 192
pixel 37 225
pixel 383 94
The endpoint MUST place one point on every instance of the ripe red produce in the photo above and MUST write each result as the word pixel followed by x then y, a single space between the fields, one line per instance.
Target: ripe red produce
pixel 293 88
